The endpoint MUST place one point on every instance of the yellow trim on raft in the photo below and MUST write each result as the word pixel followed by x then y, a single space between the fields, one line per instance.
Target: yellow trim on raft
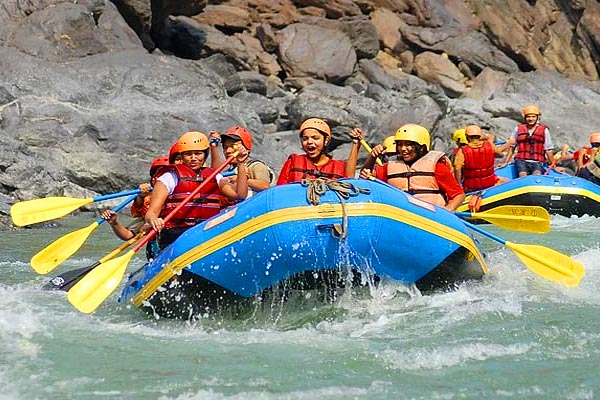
pixel 276 217
pixel 529 190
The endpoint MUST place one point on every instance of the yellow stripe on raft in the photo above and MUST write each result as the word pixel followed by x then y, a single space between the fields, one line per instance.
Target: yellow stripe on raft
pixel 276 217
pixel 561 190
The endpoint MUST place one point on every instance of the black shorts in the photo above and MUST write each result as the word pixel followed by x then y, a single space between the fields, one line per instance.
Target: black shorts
pixel 528 166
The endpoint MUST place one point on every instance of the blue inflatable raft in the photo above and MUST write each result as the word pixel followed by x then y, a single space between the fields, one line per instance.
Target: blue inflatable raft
pixel 558 193
pixel 280 238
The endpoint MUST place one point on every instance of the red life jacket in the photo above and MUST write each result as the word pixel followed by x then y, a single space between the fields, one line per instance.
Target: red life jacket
pixel 587 154
pixel 478 170
pixel 418 179
pixel 531 147
pixel 302 168
pixel 205 204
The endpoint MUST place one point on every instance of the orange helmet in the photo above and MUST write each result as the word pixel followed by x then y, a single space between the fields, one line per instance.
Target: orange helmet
pixel 157 163
pixel 595 138
pixel 192 140
pixel 239 133
pixel 473 130
pixel 531 109
pixel 318 125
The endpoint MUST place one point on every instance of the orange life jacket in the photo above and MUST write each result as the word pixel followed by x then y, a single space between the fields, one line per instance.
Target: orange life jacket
pixel 302 168
pixel 478 170
pixel 418 179
pixel 531 147
pixel 205 204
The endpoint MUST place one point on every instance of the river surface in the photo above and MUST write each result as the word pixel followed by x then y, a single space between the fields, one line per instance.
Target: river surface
pixel 511 335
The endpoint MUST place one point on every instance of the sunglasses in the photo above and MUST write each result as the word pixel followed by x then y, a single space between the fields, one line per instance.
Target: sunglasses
pixel 596 144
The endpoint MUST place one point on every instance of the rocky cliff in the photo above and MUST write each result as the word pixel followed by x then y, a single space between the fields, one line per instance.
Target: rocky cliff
pixel 91 91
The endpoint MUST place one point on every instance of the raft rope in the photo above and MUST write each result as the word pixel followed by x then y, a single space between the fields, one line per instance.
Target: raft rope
pixel 344 190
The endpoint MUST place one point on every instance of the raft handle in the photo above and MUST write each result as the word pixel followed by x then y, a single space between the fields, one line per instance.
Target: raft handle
pixel 336 229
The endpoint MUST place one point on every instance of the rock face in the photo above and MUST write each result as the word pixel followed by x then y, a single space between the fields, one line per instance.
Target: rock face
pixel 317 52
pixel 91 91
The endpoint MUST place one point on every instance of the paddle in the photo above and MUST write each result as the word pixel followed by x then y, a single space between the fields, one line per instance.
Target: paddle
pixel 534 219
pixel 545 262
pixel 58 251
pixel 553 165
pixel 368 149
pixel 66 280
pixel 40 210
pixel 99 283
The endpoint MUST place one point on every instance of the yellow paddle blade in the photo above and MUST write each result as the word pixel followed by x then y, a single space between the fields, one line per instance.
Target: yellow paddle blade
pixel 98 284
pixel 58 251
pixel 549 263
pixel 534 219
pixel 40 210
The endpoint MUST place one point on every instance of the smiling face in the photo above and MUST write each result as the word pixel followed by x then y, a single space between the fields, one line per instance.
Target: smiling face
pixel 313 143
pixel 230 146
pixel 531 119
pixel 407 150
pixel 193 159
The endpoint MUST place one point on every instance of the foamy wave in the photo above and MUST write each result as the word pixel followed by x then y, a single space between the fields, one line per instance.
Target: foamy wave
pixel 437 358
pixel 584 224
pixel 332 392
pixel 18 322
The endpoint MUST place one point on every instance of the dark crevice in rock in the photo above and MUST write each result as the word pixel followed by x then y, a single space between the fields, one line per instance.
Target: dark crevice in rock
pixel 7 189
pixel 521 61
pixel 180 36
pixel 96 14
pixel 229 30
pixel 136 21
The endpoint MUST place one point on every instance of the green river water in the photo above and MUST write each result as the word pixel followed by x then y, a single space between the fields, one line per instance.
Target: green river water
pixel 512 335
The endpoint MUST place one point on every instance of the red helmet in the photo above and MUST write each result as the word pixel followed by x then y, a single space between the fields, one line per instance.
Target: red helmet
pixel 157 163
pixel 239 133
pixel 173 153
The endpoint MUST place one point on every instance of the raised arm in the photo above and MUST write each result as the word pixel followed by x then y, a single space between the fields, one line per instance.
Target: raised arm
pixel 356 134
pixel 215 154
